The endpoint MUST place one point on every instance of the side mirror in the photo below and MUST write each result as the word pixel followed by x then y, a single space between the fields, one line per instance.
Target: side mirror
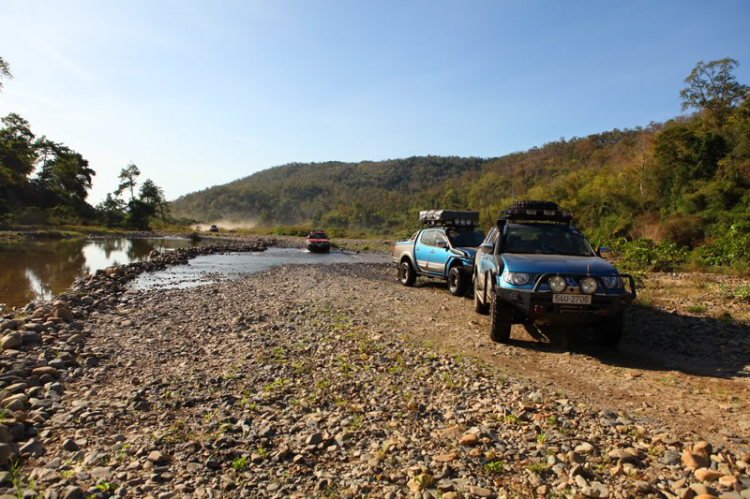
pixel 441 244
pixel 604 252
pixel 487 248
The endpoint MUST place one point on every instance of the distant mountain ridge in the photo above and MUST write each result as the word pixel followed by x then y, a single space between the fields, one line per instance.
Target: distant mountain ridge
pixel 302 192
pixel 685 181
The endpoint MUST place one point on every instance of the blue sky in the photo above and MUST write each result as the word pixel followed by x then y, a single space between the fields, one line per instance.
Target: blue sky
pixel 202 93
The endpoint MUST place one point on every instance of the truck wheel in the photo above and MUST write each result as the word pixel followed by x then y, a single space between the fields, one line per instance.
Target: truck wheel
pixel 406 274
pixel 609 331
pixel 457 281
pixel 479 306
pixel 500 322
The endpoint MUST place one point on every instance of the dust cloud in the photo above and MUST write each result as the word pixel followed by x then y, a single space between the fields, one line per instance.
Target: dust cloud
pixel 224 224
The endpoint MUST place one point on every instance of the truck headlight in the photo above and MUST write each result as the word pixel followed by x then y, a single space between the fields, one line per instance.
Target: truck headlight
pixel 612 282
pixel 516 278
pixel 557 284
pixel 589 285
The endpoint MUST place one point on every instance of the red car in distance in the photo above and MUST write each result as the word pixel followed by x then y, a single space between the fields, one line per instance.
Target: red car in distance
pixel 318 242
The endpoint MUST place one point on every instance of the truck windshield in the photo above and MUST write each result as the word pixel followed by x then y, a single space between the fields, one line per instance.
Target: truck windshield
pixel 318 235
pixel 545 239
pixel 465 238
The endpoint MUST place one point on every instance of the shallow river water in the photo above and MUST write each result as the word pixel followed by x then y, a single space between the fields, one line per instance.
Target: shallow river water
pixel 41 270
pixel 214 268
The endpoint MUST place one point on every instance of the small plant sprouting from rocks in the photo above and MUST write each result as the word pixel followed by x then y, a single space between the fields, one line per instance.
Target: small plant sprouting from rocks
pixel 262 451
pixel 537 468
pixel 541 438
pixel 356 421
pixel 240 463
pixel 512 419
pixel 106 486
pixel 494 467
pixel 344 367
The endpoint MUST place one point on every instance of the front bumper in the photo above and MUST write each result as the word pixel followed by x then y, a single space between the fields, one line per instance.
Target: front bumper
pixel 318 246
pixel 536 305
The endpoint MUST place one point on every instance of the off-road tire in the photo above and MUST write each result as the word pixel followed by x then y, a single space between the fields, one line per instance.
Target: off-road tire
pixel 479 306
pixel 406 274
pixel 534 205
pixel 500 319
pixel 457 281
pixel 609 331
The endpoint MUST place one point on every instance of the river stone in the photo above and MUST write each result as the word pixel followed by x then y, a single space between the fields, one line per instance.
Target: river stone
pixel 469 439
pixel 29 337
pixel 41 371
pixel 10 325
pixel 11 340
pixel 4 453
pixel 33 447
pixel 5 436
pixel 156 457
pixel 707 475
pixel 73 492
pixel 13 404
pixel 694 460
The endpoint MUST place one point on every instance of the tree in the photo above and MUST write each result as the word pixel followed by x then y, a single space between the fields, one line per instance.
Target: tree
pixel 153 195
pixel 4 71
pixel 17 158
pixel 128 176
pixel 63 173
pixel 111 211
pixel 712 87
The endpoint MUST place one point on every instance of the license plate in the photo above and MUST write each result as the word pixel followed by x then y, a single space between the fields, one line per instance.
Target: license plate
pixel 571 299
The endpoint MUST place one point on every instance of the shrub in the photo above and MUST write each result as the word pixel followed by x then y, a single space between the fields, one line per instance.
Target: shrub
pixel 731 249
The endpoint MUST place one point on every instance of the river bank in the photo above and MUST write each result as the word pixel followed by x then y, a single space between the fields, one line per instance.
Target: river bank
pixel 72 232
pixel 336 381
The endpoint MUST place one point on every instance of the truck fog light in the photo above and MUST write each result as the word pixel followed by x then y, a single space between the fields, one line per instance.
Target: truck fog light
pixel 557 284
pixel 589 285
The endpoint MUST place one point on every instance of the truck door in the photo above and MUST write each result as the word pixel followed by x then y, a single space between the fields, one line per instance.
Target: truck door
pixel 439 255
pixel 422 249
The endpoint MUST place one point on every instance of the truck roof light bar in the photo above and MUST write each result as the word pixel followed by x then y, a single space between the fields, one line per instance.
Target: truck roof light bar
pixel 549 212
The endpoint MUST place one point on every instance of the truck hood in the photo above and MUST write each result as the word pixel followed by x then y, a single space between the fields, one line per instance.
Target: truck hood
pixel 541 264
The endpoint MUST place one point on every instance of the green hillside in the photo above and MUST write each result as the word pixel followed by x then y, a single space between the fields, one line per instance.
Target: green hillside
pixel 684 182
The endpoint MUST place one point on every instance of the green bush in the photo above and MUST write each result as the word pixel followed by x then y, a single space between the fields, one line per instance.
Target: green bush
pixel 645 254
pixel 732 249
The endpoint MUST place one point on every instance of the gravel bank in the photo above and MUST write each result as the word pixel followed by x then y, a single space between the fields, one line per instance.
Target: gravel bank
pixel 330 381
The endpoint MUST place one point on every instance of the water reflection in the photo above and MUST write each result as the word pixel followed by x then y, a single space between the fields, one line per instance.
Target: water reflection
pixel 40 270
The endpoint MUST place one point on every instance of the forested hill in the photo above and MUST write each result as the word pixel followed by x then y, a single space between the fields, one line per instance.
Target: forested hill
pixel 640 182
pixel 367 195
pixel 685 181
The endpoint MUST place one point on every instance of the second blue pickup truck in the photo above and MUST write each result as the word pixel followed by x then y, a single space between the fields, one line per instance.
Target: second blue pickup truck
pixel 444 249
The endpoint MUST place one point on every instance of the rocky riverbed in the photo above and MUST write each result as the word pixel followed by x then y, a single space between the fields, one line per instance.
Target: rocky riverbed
pixel 335 381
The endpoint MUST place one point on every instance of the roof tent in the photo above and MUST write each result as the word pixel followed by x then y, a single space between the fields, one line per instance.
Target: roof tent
pixel 449 218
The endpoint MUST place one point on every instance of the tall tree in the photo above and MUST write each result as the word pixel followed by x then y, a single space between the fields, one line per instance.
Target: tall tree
pixel 128 180
pixel 712 87
pixel 4 71
pixel 153 195
pixel 17 150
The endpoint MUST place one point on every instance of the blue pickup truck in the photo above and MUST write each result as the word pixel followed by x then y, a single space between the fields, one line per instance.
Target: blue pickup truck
pixel 444 249
pixel 535 268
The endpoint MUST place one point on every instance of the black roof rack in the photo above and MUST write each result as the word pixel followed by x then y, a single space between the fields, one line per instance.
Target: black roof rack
pixel 449 218
pixel 537 211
